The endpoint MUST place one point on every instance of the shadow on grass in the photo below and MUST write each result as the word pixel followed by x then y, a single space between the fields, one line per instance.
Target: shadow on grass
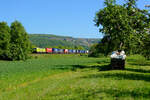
pixel 140 64
pixel 103 62
pixel 121 76
pixel 75 67
pixel 99 67
pixel 138 70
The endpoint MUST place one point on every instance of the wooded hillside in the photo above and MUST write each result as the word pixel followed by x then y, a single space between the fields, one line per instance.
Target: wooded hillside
pixel 48 40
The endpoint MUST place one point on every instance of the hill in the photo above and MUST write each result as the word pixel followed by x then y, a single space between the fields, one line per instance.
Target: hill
pixel 48 40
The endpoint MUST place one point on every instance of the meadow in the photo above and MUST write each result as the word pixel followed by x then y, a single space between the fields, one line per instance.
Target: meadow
pixel 74 77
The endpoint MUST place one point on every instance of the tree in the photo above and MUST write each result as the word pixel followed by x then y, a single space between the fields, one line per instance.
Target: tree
pixel 20 44
pixel 146 47
pixel 113 22
pixel 125 25
pixel 4 40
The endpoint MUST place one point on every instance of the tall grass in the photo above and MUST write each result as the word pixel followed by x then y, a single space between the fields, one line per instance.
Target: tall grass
pixel 74 77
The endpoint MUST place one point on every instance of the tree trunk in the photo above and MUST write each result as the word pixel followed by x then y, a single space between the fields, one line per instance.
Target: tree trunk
pixel 121 44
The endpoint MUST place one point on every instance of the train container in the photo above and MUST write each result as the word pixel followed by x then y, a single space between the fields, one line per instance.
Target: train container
pixel 40 50
pixel 87 51
pixel 49 50
pixel 74 51
pixel 65 51
pixel 55 50
pixel 70 51
pixel 81 51
pixel 78 51
pixel 84 51
pixel 60 51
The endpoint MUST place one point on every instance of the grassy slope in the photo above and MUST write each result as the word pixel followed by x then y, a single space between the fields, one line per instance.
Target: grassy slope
pixel 51 77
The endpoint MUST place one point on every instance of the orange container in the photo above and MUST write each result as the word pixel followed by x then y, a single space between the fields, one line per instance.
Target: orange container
pixel 48 50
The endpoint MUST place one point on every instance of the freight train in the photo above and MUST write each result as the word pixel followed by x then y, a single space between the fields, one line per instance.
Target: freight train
pixel 58 51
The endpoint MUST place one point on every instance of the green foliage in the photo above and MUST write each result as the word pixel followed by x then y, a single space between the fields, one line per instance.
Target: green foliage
pixel 146 47
pixel 20 45
pixel 14 42
pixel 4 40
pixel 94 51
pixel 123 26
pixel 109 2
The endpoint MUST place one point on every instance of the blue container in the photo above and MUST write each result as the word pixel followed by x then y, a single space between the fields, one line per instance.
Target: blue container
pixel 78 51
pixel 60 50
pixel 70 51
pixel 55 50
pixel 81 51
pixel 84 51
pixel 74 51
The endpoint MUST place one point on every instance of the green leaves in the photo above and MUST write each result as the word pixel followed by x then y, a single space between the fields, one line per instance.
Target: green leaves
pixel 20 45
pixel 14 42
pixel 124 24
pixel 4 40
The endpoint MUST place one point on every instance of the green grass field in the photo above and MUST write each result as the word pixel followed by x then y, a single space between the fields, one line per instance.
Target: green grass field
pixel 74 77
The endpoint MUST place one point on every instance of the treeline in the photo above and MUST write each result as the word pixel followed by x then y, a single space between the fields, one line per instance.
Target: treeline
pixel 125 27
pixel 14 41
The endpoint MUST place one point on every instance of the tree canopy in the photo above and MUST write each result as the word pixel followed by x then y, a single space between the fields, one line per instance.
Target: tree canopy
pixel 125 25
pixel 20 45
pixel 4 40
pixel 14 41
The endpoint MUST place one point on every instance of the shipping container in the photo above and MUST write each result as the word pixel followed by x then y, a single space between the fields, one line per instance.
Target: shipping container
pixel 87 51
pixel 70 51
pixel 48 50
pixel 54 50
pixel 65 50
pixel 74 51
pixel 81 51
pixel 78 51
pixel 60 51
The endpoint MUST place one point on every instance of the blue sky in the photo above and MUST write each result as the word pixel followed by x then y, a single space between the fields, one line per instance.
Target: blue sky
pixel 59 17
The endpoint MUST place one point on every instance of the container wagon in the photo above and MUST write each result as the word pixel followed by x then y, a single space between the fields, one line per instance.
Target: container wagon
pixel 55 50
pixel 66 51
pixel 70 51
pixel 60 51
pixel 49 50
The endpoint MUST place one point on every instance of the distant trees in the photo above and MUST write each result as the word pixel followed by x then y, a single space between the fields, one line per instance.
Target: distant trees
pixel 14 43
pixel 94 51
pixel 124 27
